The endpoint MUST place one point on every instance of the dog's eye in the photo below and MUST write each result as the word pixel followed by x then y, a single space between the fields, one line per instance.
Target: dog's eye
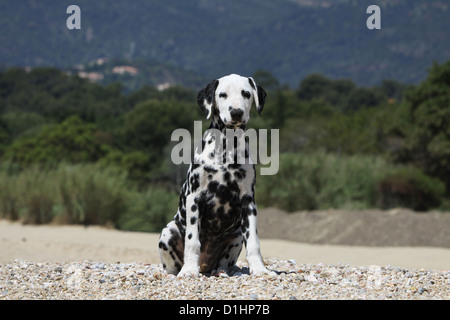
pixel 245 94
pixel 223 95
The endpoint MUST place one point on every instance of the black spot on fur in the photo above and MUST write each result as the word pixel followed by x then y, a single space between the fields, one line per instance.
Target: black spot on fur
pixel 246 200
pixel 193 220
pixel 203 144
pixel 221 210
pixel 224 194
pixel 245 224
pixel 163 246
pixel 233 186
pixel 190 236
pixel 210 169
pixel 233 166
pixel 194 182
pixel 251 83
pixel 212 186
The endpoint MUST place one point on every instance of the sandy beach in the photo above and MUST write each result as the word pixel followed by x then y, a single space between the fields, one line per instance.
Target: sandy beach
pixel 76 243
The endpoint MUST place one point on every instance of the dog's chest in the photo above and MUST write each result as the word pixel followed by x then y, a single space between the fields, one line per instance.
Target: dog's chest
pixel 221 188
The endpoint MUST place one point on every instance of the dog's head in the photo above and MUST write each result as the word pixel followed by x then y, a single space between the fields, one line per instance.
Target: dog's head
pixel 230 99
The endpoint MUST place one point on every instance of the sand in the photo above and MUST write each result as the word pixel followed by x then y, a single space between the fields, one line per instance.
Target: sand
pixel 77 243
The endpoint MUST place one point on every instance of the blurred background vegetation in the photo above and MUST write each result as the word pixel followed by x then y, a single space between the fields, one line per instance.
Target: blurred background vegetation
pixel 73 151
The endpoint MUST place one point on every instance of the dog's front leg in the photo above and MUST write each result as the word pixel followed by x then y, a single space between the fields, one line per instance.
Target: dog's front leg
pixel 254 258
pixel 192 239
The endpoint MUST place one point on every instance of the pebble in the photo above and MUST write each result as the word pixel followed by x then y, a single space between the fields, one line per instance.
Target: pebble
pixel 88 280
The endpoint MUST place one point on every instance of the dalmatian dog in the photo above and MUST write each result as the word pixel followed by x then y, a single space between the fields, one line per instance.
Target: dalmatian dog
pixel 217 210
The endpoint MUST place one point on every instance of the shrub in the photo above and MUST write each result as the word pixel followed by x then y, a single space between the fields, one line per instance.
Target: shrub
pixel 410 187
pixel 83 194
pixel 322 181
pixel 90 194
pixel 150 210
pixel 9 208
pixel 80 194
pixel 71 140
pixel 426 128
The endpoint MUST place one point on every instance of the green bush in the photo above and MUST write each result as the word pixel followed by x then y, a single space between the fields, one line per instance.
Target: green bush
pixel 9 207
pixel 426 126
pixel 410 187
pixel 71 140
pixel 90 194
pixel 83 194
pixel 150 210
pixel 68 194
pixel 322 181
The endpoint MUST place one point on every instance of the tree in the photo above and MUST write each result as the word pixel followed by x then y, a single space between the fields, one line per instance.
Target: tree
pixel 72 141
pixel 313 86
pixel 148 127
pixel 362 98
pixel 266 80
pixel 427 137
pixel 392 89
pixel 341 94
pixel 20 122
pixel 4 136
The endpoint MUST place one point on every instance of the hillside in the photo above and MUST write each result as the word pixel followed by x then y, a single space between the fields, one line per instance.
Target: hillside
pixel 289 38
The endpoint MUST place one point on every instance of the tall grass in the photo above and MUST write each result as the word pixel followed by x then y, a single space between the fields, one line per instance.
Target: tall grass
pixel 322 181
pixel 92 194
pixel 83 194
pixel 150 210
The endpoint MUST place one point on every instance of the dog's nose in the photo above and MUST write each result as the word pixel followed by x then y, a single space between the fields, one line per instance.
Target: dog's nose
pixel 236 114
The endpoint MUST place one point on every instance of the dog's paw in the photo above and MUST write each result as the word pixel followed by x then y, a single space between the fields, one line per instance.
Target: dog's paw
pixel 262 271
pixel 189 271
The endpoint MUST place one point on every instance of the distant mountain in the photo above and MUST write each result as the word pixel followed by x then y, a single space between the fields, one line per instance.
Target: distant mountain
pixel 210 38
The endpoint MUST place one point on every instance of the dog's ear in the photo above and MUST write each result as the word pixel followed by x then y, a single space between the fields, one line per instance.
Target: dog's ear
pixel 259 95
pixel 206 96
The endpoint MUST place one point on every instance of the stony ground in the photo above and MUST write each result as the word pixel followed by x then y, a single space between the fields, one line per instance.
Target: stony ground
pixel 98 280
